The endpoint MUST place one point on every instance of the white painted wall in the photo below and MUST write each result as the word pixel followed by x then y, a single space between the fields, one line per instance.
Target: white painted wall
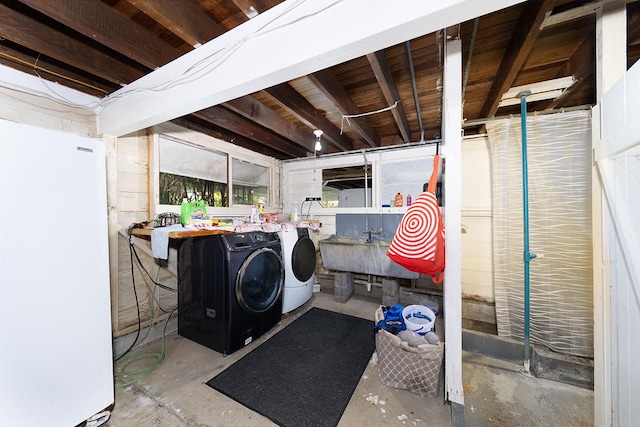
pixel 33 101
pixel 302 178
pixel 477 258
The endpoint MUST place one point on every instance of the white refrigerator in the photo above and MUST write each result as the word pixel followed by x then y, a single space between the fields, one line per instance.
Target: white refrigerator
pixel 55 321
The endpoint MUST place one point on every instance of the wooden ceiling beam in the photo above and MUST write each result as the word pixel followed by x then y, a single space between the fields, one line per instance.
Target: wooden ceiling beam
pixel 382 71
pixel 25 62
pixel 211 75
pixel 573 13
pixel 43 39
pixel 251 8
pixel 257 112
pixel 226 119
pixel 119 33
pixel 633 24
pixel 185 18
pixel 208 128
pixel 580 66
pixel 523 38
pixel 329 85
pixel 289 99
pixel 98 21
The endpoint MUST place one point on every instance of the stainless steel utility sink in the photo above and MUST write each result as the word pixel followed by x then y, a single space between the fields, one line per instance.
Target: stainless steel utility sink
pixel 356 255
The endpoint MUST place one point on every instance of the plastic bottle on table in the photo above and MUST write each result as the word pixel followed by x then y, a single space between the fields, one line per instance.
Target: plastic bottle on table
pixel 408 199
pixel 295 212
pixel 184 211
pixel 398 200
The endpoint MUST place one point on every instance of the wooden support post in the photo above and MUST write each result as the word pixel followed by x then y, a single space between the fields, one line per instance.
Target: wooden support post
pixel 611 57
pixel 452 151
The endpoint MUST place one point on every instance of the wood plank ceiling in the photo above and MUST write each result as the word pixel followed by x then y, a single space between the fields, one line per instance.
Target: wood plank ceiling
pixel 98 46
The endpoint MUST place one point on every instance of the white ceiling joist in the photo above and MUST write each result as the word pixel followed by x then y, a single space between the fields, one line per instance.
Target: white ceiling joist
pixel 292 39
pixel 575 13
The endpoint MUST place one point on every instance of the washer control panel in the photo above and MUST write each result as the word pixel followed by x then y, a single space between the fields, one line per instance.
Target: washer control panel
pixel 249 240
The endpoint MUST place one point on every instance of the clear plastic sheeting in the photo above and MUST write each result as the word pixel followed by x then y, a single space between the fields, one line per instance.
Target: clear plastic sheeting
pixel 559 163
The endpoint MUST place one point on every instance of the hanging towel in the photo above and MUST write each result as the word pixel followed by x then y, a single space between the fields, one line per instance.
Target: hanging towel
pixel 160 240
pixel 419 242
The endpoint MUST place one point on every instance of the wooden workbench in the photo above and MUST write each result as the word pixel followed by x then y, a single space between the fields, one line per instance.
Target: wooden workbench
pixel 146 232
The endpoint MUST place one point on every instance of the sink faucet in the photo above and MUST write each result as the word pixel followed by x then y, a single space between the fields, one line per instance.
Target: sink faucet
pixel 369 231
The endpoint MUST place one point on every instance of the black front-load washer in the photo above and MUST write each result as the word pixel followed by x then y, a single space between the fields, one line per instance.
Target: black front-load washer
pixel 229 288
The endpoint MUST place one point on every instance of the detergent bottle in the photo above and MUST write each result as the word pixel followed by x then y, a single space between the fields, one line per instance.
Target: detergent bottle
pixel 184 211
pixel 192 212
pixel 398 200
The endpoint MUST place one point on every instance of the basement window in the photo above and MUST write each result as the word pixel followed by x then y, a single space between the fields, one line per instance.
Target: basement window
pixel 190 172
pixel 251 183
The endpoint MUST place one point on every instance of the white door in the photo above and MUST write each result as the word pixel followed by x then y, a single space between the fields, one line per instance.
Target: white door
pixel 617 156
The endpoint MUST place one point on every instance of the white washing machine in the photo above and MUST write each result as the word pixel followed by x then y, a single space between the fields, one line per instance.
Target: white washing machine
pixel 299 258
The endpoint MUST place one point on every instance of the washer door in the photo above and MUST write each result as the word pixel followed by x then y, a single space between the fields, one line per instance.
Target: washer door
pixel 303 259
pixel 259 281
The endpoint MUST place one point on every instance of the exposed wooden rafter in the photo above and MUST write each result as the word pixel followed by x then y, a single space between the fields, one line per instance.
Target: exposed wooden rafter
pixel 251 109
pixel 207 128
pixel 184 18
pixel 381 69
pixel 327 83
pixel 633 24
pixel 45 40
pixel 112 29
pixel 522 40
pixel 252 8
pixel 105 48
pixel 574 13
pixel 226 119
pixel 298 106
pixel 580 67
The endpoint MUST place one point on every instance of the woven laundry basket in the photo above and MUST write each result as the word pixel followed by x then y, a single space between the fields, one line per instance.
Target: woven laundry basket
pixel 416 369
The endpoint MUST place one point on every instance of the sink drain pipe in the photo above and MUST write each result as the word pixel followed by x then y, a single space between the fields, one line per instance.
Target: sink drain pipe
pixel 528 256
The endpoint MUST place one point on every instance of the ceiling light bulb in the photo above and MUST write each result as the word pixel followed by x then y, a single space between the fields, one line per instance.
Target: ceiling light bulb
pixel 318 133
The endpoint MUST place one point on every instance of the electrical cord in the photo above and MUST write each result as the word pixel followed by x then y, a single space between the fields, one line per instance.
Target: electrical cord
pixel 135 294
pixel 135 253
pixel 142 269
pixel 128 376
pixel 124 375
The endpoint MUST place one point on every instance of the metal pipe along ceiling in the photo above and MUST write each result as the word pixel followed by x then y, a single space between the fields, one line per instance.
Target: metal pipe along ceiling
pixel 415 90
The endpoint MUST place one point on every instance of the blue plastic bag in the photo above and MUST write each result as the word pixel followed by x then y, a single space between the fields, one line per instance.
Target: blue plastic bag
pixel 393 320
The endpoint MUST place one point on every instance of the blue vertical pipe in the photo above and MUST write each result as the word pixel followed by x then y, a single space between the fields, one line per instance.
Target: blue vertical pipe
pixel 527 255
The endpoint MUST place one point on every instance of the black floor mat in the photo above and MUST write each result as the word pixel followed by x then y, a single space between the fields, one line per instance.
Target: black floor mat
pixel 306 373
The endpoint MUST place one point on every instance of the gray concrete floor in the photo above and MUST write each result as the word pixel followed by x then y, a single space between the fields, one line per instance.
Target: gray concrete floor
pixel 496 393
